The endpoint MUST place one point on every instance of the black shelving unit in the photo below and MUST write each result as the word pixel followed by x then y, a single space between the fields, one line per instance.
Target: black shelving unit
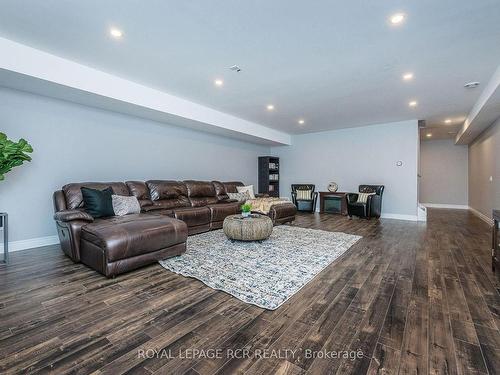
pixel 269 175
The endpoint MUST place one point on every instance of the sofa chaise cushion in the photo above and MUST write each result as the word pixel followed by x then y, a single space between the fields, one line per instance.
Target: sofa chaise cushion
pixel 123 237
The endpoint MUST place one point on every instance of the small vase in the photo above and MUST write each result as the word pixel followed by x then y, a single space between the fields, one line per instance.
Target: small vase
pixel 245 214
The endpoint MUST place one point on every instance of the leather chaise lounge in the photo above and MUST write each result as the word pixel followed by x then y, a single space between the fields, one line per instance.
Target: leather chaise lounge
pixel 170 211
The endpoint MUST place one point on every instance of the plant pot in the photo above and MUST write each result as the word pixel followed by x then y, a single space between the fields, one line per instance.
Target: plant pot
pixel 245 214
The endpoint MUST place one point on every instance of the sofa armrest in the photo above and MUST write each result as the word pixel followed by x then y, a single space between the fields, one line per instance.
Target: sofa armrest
pixel 374 205
pixel 72 215
pixel 352 197
pixel 280 213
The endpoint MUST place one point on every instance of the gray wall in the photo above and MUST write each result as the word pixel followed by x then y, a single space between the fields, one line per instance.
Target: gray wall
pixel 77 143
pixel 484 161
pixel 443 167
pixel 357 156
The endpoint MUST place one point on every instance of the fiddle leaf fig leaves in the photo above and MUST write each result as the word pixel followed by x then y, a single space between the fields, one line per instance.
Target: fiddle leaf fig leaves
pixel 12 154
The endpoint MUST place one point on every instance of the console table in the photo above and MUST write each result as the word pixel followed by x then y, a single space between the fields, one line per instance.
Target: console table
pixel 333 203
pixel 4 228
pixel 495 244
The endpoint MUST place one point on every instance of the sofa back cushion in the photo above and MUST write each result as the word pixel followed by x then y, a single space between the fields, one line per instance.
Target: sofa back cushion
pixel 73 193
pixel 201 193
pixel 168 194
pixel 220 191
pixel 231 186
pixel 140 190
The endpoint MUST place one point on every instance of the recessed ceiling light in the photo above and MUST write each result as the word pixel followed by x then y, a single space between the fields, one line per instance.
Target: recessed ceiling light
pixel 218 82
pixel 270 107
pixel 116 33
pixel 397 18
pixel 428 135
pixel 413 103
pixel 408 76
pixel 452 132
pixel 447 121
pixel 301 122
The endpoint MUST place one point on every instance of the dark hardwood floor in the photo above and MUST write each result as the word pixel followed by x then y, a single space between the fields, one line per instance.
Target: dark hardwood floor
pixel 414 298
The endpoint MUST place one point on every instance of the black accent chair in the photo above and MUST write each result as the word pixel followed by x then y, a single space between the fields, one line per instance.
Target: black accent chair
pixel 308 205
pixel 373 205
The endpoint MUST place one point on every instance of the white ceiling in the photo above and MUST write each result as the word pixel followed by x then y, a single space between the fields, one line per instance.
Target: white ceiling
pixel 335 64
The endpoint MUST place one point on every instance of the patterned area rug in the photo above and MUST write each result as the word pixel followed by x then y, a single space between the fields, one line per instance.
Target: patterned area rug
pixel 264 274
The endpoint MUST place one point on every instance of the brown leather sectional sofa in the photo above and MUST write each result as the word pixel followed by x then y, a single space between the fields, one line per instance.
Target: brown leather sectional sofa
pixel 170 211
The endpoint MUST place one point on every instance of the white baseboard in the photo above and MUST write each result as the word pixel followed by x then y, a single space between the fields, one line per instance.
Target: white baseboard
pixel 421 213
pixel 395 216
pixel 445 205
pixel 482 216
pixel 31 243
pixel 399 217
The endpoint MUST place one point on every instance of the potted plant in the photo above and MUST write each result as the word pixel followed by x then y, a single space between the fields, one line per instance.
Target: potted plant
pixel 246 209
pixel 12 154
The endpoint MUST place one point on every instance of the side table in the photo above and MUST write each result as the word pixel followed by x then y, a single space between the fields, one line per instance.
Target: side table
pixel 4 228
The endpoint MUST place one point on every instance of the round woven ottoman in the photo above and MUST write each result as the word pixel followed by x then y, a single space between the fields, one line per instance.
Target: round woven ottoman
pixel 253 228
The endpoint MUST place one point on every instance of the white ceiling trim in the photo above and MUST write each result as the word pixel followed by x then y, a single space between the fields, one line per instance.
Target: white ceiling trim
pixel 484 112
pixel 29 69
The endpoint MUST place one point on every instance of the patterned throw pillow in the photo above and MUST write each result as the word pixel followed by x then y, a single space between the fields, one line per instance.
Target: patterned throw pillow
pixel 304 194
pixel 363 197
pixel 123 205
pixel 249 189
pixel 240 197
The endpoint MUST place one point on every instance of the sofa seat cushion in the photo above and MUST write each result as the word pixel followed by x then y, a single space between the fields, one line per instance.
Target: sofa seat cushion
pixel 132 235
pixel 159 211
pixel 193 216
pixel 219 211
pixel 201 202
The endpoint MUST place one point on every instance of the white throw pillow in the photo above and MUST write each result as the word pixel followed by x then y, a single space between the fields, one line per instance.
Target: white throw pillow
pixel 123 205
pixel 363 197
pixel 249 188
pixel 303 194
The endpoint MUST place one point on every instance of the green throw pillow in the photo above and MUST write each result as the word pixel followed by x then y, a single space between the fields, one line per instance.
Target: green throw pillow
pixel 98 203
